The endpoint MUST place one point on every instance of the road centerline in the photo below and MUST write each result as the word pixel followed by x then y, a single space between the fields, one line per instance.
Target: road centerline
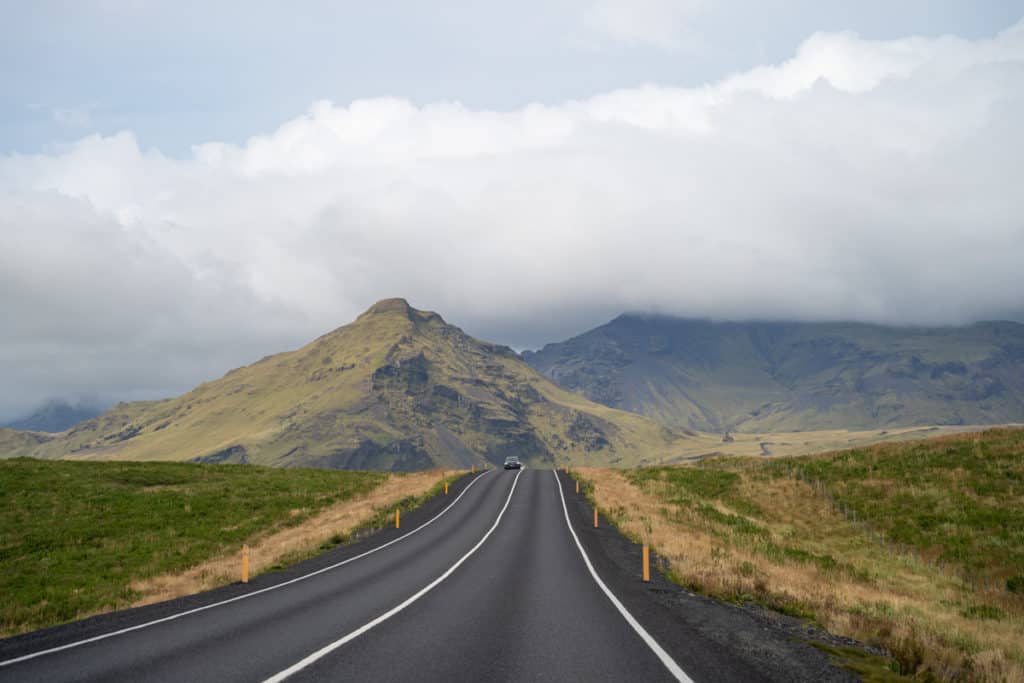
pixel 649 640
pixel 331 647
pixel 196 610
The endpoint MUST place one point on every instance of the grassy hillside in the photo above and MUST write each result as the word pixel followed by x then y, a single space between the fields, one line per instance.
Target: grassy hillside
pixel 916 547
pixel 75 535
pixel 759 377
pixel 398 389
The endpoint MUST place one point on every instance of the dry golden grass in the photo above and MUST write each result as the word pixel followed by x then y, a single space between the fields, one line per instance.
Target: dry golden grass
pixel 785 444
pixel 283 545
pixel 876 595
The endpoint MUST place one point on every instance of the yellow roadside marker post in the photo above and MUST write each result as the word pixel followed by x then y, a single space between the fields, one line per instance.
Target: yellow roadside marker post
pixel 577 486
pixel 472 469
pixel 446 488
pixel 245 564
pixel 647 564
pixel 595 518
pixel 398 522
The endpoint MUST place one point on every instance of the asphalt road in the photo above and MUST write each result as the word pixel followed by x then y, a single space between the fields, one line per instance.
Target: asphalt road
pixel 495 588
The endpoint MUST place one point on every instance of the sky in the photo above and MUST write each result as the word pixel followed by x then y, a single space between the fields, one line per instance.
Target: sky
pixel 186 187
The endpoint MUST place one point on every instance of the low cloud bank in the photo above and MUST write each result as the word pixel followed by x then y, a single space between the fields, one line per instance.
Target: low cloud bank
pixel 861 180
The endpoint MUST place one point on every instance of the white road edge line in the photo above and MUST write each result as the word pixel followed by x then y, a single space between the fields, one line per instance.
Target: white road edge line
pixel 327 649
pixel 186 613
pixel 665 657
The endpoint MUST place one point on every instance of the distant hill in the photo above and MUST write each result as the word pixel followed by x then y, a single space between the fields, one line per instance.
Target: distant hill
pixel 55 416
pixel 758 376
pixel 398 389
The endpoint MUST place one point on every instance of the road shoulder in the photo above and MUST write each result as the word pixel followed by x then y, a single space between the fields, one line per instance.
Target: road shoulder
pixel 711 640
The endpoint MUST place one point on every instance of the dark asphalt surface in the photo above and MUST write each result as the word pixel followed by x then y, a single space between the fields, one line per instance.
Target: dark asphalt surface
pixel 522 607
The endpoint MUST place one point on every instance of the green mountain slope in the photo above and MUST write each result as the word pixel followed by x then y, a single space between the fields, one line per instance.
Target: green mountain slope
pixel 758 377
pixel 398 389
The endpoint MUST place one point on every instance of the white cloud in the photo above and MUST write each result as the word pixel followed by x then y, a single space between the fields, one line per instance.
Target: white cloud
pixel 859 180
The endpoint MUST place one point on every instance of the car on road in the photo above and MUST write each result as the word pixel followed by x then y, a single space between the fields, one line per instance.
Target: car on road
pixel 512 463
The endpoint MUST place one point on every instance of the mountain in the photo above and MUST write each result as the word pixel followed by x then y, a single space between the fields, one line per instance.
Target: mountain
pixel 788 376
pixel 55 416
pixel 398 389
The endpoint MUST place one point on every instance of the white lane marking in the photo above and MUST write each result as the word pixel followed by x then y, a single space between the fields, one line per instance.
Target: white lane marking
pixel 179 615
pixel 327 649
pixel 665 657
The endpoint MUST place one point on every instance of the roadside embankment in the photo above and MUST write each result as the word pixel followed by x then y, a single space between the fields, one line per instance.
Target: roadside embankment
pixel 81 538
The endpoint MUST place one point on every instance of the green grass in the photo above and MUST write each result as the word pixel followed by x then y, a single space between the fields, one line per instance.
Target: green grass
pixel 73 535
pixel 871 668
pixel 955 500
pixel 689 485
pixel 686 484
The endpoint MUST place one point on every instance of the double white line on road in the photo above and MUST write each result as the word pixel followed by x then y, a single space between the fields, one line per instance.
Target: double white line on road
pixel 665 657
pixel 327 649
pixel 196 610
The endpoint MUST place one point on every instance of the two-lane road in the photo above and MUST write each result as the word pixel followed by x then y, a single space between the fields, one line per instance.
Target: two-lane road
pixel 495 587
pixel 523 608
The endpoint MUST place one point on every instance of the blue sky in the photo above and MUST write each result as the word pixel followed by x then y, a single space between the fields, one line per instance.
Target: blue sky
pixel 181 73
pixel 186 187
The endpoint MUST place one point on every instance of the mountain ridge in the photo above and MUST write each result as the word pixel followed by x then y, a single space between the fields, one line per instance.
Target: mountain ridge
pixel 397 389
pixel 54 416
pixel 724 376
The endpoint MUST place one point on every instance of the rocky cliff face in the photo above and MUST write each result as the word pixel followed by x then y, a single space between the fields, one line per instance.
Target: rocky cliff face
pixel 794 376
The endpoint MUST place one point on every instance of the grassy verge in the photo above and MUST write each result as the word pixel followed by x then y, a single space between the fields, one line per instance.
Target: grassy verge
pixel 380 517
pixel 75 535
pixel 917 548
